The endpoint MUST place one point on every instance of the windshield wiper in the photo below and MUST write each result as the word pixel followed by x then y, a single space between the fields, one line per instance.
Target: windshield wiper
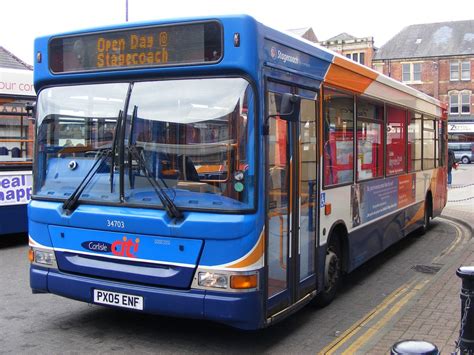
pixel 171 208
pixel 71 203
pixel 118 128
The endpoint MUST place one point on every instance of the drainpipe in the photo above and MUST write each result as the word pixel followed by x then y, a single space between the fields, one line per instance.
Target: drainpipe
pixel 436 79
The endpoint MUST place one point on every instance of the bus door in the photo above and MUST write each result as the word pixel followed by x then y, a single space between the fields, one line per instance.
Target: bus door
pixel 291 190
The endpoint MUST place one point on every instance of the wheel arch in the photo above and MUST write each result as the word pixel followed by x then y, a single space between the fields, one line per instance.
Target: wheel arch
pixel 339 231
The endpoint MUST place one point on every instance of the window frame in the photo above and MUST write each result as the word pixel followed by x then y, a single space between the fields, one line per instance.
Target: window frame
pixel 458 96
pixel 382 123
pixel 454 73
pixel 434 130
pixel 412 116
pixel 463 94
pixel 452 95
pixel 411 72
pixel 467 70
pixel 405 139
pixel 326 186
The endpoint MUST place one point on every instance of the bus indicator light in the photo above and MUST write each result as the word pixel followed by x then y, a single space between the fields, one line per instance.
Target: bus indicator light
pixel 236 39
pixel 243 281
pixel 327 209
pixel 31 255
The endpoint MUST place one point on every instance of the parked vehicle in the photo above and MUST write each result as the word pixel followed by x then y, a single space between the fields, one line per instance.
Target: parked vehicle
pixel 463 152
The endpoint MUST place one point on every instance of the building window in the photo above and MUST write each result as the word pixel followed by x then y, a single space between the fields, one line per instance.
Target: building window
pixel 416 71
pixel 466 102
pixel 406 72
pixel 460 71
pixel 454 71
pixel 357 57
pixel 454 103
pixel 466 71
pixel 411 72
pixel 460 102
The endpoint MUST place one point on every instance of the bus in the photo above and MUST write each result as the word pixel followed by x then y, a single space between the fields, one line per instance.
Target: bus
pixel 218 169
pixel 16 148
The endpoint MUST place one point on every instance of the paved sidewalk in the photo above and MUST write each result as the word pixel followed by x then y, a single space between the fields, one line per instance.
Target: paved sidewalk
pixel 433 314
pixel 433 311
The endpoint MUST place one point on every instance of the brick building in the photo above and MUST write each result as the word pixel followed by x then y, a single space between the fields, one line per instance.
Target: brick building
pixel 360 50
pixel 438 59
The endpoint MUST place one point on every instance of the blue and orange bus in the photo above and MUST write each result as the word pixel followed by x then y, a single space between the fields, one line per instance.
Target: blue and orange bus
pixel 16 148
pixel 215 168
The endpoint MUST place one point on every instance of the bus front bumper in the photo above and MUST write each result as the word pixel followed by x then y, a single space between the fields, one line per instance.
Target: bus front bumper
pixel 240 310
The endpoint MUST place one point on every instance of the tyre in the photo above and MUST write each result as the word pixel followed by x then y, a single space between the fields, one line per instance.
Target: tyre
pixel 426 218
pixel 332 274
pixel 465 160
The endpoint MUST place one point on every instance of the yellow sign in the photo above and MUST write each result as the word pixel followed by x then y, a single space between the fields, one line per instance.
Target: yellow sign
pixel 132 50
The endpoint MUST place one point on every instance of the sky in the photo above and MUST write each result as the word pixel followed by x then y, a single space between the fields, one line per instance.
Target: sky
pixel 24 20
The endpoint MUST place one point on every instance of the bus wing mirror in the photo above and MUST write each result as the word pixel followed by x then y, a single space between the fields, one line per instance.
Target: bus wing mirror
pixel 289 110
pixel 290 107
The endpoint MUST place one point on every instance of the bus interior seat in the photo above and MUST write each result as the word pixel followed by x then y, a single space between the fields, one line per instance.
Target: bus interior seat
pixel 187 169
pixel 16 152
pixel 3 151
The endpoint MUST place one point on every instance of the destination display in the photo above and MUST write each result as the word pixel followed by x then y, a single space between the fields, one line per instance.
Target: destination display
pixel 184 44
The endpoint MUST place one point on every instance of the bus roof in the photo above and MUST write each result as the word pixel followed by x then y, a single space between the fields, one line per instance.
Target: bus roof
pixel 265 44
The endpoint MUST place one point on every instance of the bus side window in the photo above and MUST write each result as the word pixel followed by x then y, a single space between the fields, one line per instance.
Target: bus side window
pixel 338 137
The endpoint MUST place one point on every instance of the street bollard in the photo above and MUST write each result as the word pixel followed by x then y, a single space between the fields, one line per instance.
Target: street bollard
pixel 466 331
pixel 414 347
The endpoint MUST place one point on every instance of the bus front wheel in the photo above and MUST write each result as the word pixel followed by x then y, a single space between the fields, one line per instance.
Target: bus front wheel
pixel 332 274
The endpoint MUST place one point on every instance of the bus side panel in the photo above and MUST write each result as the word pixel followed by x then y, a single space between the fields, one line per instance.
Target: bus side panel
pixel 17 215
pixel 439 186
pixel 372 238
pixel 39 235
pixel 414 217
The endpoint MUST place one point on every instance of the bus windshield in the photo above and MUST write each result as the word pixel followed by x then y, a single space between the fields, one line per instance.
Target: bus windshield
pixel 191 137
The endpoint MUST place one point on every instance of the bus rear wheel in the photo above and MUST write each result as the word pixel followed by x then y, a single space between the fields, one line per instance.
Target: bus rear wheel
pixel 426 218
pixel 332 275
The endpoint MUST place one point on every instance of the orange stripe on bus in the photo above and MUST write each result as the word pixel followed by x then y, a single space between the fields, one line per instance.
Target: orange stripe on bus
pixel 347 75
pixel 418 216
pixel 254 256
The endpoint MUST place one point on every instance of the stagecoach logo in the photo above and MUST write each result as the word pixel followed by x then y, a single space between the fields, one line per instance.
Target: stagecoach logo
pixel 125 247
pixel 273 52
pixel 100 247
pixel 284 57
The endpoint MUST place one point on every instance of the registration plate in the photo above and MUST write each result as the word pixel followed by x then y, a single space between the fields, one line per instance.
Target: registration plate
pixel 118 299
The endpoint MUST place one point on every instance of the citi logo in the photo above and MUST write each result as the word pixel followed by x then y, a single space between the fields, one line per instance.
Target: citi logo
pixel 125 247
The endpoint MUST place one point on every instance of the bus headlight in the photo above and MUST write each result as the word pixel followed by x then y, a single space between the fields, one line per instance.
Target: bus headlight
pixel 223 280
pixel 210 279
pixel 42 257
